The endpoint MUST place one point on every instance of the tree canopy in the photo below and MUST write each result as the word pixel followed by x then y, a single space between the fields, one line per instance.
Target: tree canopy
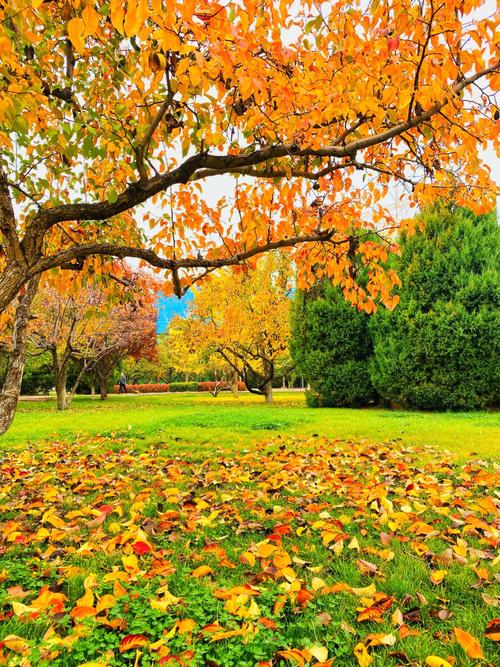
pixel 316 108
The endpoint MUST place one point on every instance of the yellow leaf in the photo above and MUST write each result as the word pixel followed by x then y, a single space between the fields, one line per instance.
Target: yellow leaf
pixel 91 19
pixel 21 609
pixel 264 550
pixel 76 30
pixel 319 652
pixel 436 661
pixel 362 655
pixel 118 590
pixel 164 603
pixel 469 644
pixel 16 644
pixel 317 583
pixel 367 591
pixel 117 13
pixel 186 625
pixel 130 563
pixel 437 576
pixel 195 75
pixel 353 544
pixel 105 602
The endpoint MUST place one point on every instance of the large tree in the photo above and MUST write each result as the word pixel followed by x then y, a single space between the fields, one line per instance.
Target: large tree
pixel 316 108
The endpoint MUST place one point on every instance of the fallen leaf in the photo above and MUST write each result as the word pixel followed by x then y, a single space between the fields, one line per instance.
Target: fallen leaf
pixel 362 655
pixel 493 630
pixel 469 644
pixel 436 661
pixel 132 641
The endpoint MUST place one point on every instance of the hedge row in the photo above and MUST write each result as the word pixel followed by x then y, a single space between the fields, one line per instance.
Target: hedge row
pixel 173 387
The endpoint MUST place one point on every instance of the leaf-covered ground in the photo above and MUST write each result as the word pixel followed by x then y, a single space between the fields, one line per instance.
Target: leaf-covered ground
pixel 303 553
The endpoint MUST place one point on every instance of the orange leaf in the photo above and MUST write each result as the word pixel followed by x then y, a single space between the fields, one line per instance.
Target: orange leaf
pixel 201 571
pixel 132 641
pixel 469 644
pixel 82 611
pixel 374 612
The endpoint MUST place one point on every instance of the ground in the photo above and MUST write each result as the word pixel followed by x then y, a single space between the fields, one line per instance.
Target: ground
pixel 188 530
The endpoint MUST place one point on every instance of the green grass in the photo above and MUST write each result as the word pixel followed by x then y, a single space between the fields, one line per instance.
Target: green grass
pixel 196 422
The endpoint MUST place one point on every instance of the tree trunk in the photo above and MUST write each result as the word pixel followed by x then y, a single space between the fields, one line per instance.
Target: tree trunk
pixel 71 395
pixel 92 389
pixel 103 386
pixel 268 392
pixel 186 377
pixel 17 356
pixel 60 377
pixel 234 384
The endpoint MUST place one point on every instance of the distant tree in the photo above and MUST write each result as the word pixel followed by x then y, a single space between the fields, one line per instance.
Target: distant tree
pixel 331 346
pixel 242 317
pixel 130 330
pixel 92 328
pixel 439 349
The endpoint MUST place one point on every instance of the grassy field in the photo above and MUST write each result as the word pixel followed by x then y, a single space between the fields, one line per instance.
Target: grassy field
pixel 189 531
pixel 193 422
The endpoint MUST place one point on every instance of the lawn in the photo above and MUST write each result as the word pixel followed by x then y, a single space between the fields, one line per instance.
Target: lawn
pixel 196 422
pixel 187 530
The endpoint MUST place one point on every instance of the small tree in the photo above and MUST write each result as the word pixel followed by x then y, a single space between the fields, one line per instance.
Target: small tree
pixel 331 346
pixel 439 349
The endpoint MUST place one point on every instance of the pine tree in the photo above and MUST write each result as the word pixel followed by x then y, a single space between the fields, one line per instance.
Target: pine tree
pixel 331 347
pixel 439 348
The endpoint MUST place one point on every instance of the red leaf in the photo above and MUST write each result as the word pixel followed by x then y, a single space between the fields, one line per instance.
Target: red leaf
pixel 141 548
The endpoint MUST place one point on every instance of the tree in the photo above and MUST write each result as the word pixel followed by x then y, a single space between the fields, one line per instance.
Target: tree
pixel 109 104
pixel 130 330
pixel 181 349
pixel 439 349
pixel 92 327
pixel 332 347
pixel 63 326
pixel 242 316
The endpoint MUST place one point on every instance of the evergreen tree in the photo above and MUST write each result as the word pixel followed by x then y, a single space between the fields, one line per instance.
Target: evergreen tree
pixel 331 347
pixel 439 348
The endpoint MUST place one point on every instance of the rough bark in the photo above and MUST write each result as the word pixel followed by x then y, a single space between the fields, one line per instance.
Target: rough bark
pixel 17 357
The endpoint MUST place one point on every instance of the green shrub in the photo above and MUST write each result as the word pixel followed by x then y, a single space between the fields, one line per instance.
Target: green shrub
pixel 183 386
pixel 439 348
pixel 331 347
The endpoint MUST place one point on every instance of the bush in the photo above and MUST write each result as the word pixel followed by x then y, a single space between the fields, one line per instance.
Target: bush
pixel 143 388
pixel 183 386
pixel 439 348
pixel 210 386
pixel 331 346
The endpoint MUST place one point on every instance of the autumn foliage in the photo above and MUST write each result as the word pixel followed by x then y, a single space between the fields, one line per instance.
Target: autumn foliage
pixel 316 108
pixel 288 554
